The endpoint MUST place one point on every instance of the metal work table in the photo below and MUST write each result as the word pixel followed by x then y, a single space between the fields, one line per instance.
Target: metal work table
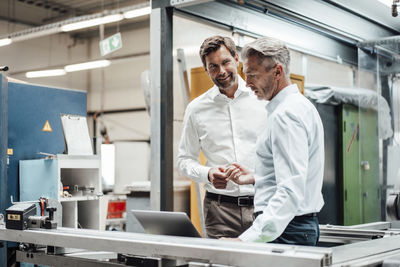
pixel 367 253
pixel 170 247
pixel 208 252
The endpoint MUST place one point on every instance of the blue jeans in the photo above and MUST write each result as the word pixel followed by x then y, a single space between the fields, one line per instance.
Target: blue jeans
pixel 302 230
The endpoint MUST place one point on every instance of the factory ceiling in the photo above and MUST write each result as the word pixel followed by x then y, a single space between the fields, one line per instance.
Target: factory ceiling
pixel 35 13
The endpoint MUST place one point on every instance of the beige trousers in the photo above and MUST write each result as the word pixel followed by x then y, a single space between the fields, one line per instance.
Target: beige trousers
pixel 224 219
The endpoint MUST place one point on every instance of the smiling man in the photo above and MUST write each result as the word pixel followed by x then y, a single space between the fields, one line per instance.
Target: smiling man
pixel 223 123
pixel 289 154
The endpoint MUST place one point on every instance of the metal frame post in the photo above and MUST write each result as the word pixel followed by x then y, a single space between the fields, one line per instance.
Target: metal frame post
pixel 3 160
pixel 162 112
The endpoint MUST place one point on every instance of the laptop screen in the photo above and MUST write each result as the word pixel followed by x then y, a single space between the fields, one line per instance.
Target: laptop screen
pixel 165 223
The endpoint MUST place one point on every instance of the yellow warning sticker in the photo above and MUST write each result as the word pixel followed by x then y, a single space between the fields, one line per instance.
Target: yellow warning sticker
pixel 47 127
pixel 10 151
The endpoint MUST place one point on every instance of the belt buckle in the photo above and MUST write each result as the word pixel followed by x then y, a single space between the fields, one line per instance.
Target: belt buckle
pixel 245 203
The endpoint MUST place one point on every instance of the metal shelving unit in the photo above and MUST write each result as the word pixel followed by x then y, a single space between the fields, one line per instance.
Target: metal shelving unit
pixel 47 177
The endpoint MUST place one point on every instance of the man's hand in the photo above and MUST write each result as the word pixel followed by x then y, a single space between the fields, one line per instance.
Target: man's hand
pixel 217 177
pixel 231 239
pixel 239 174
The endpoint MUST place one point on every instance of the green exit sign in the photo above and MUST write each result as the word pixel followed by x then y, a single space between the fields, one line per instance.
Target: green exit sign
pixel 110 44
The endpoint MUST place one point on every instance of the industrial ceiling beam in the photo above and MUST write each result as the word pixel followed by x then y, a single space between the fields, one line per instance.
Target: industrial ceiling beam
pixel 305 28
pixel 255 23
pixel 330 17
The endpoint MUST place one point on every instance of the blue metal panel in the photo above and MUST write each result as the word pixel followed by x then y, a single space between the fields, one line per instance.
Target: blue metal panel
pixel 3 160
pixel 29 107
pixel 26 108
pixel 38 178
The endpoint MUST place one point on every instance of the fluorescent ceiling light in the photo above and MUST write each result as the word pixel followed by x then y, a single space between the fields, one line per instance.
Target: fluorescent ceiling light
pixel 87 65
pixel 91 22
pixel 137 12
pixel 45 73
pixel 5 41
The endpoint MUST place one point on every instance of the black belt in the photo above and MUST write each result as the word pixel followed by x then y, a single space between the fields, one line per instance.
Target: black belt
pixel 314 214
pixel 240 201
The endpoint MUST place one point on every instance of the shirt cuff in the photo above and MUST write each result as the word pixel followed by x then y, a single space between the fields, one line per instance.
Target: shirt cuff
pixel 250 235
pixel 203 173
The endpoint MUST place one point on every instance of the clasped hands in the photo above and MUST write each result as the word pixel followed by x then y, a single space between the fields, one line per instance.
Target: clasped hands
pixel 237 173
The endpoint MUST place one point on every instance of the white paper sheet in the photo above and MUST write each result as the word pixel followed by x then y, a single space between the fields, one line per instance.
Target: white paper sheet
pixel 76 135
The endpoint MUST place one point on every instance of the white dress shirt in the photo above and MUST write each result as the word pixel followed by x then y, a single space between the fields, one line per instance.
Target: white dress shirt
pixel 289 165
pixel 225 130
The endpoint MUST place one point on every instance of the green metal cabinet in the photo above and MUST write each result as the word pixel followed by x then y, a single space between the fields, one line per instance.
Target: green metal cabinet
pixel 360 150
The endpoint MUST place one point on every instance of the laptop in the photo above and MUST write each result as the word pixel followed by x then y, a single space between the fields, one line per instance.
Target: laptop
pixel 165 223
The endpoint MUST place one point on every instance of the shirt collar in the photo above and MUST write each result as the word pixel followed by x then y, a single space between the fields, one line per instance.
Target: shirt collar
pixel 288 90
pixel 242 89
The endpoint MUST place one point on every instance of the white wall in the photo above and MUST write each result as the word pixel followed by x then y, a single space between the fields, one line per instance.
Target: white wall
pixel 122 78
pixel 54 50
pixel 320 71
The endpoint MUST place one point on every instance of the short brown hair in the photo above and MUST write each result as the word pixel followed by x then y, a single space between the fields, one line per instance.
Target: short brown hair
pixel 214 43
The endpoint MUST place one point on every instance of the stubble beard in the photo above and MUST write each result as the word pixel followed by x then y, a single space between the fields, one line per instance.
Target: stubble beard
pixel 225 85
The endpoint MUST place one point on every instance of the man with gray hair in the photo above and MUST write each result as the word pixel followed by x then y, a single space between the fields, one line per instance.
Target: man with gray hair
pixel 289 153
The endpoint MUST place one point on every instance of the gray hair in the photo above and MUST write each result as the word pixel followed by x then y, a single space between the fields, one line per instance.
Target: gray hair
pixel 269 48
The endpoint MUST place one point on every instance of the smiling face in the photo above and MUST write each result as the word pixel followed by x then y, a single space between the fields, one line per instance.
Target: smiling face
pixel 221 66
pixel 263 79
